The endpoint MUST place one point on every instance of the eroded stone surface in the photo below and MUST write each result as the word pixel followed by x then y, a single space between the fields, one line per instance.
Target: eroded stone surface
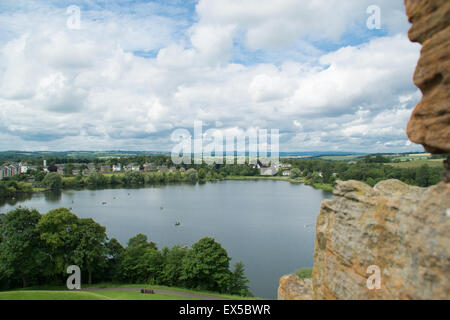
pixel 293 288
pixel 404 230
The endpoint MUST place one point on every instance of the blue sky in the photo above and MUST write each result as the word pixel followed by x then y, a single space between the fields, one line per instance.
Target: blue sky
pixel 135 71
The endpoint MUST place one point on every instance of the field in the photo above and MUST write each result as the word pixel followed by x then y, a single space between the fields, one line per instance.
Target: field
pixel 418 163
pixel 341 158
pixel 412 160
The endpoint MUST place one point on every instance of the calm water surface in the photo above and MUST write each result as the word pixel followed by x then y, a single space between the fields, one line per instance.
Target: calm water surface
pixel 269 225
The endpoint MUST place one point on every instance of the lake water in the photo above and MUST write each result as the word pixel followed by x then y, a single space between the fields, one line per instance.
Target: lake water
pixel 269 225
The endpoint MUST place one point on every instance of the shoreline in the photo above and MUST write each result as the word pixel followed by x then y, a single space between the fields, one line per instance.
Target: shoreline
pixel 324 187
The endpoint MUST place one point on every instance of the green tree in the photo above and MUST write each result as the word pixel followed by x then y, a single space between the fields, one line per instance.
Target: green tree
pixel 39 176
pixel 140 261
pixel 89 253
pixel 295 173
pixel 113 252
pixel 96 179
pixel 140 240
pixel 21 249
pixel 68 169
pixel 326 173
pixel 191 176
pixel 201 174
pixel 53 181
pixel 172 269
pixel 422 176
pixel 239 282
pixel 206 266
pixel 58 230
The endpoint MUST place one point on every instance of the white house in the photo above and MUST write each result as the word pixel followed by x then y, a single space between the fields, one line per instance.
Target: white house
pixel 23 168
pixel 117 167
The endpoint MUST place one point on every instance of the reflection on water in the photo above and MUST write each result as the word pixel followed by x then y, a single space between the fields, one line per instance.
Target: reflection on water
pixel 269 225
pixel 53 196
pixel 16 200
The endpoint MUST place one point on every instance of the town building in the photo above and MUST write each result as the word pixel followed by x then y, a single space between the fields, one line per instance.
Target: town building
pixel 149 166
pixel 23 167
pixel 105 169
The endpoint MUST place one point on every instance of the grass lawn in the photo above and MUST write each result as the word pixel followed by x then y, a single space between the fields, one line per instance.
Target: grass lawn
pixel 156 287
pixel 109 291
pixel 50 295
pixel 135 295
pixel 84 295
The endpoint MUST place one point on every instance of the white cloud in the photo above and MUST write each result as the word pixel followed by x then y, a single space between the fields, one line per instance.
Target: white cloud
pixel 86 89
pixel 271 24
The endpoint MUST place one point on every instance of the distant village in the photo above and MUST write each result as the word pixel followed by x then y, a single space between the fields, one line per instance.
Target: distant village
pixel 11 169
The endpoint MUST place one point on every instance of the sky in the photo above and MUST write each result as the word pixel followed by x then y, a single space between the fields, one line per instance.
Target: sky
pixel 132 72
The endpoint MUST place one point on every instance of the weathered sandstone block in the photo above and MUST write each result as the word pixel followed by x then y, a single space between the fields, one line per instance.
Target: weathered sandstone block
pixel 430 121
pixel 293 288
pixel 404 230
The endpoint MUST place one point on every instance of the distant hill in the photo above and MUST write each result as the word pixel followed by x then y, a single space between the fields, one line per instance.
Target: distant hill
pixel 11 155
pixel 14 154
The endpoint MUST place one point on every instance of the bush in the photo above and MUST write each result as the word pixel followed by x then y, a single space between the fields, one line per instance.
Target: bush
pixel 53 181
pixel 304 273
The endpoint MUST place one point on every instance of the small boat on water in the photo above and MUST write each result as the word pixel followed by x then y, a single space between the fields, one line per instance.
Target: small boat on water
pixel 104 202
pixel 177 223
pixel 161 207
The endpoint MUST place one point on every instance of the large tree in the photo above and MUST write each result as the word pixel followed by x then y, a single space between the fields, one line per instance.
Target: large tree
pixel 172 269
pixel 21 249
pixel 71 240
pixel 52 180
pixel 207 266
pixel 58 230
pixel 89 254
pixel 141 261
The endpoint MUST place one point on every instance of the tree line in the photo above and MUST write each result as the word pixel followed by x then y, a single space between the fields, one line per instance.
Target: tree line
pixel 36 249
pixel 370 172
